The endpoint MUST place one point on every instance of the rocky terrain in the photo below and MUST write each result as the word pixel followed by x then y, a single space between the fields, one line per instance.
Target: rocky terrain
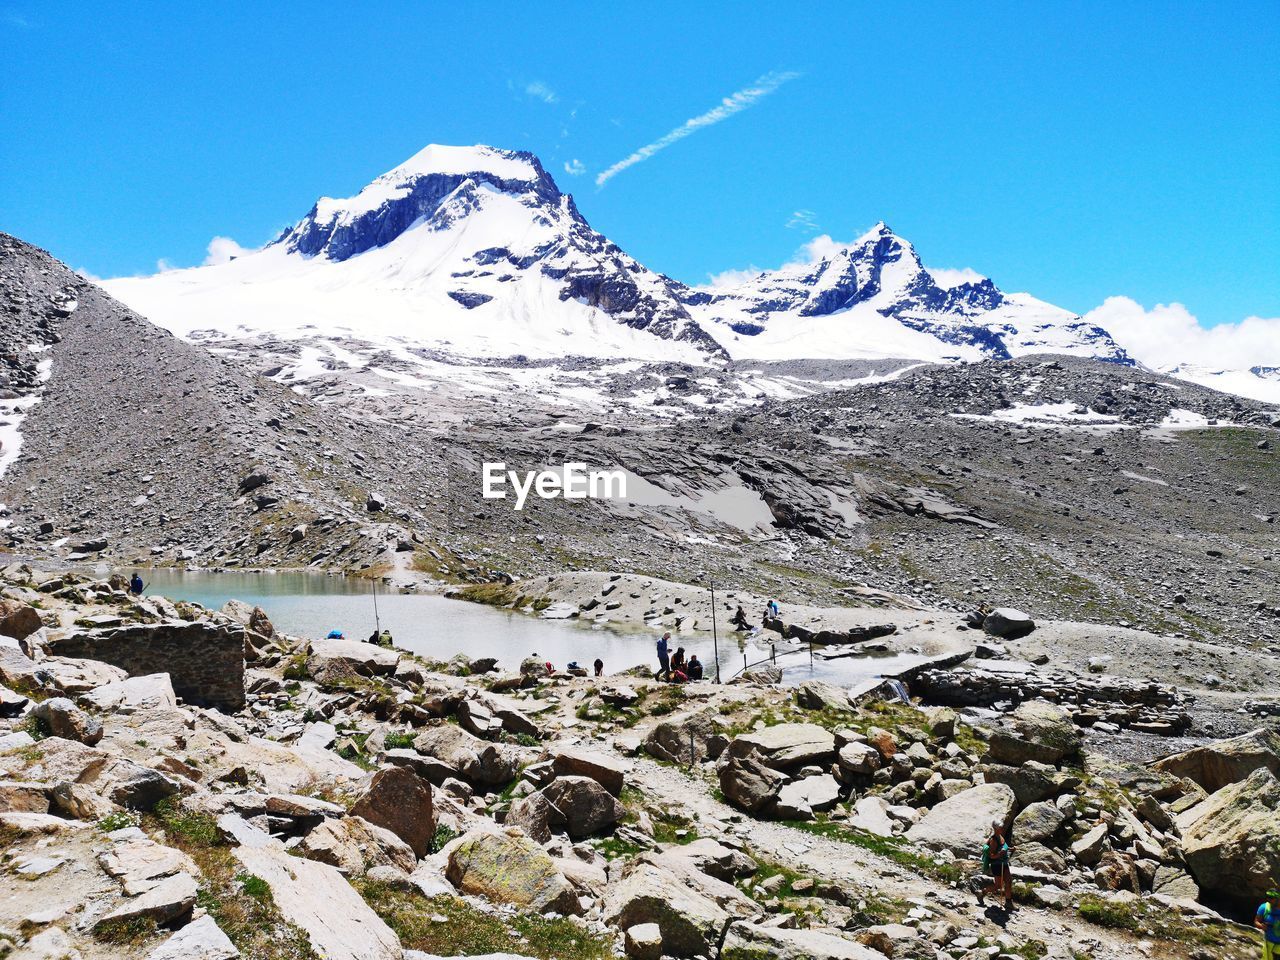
pixel 1037 482
pixel 364 803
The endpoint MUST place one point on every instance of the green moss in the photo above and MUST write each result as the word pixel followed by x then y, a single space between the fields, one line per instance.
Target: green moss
pixel 891 848
pixel 130 932
pixel 490 594
pixel 240 903
pixel 464 930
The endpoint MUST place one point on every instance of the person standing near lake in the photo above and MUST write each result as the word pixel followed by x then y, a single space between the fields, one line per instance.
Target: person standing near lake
pixel 664 658
pixel 1267 919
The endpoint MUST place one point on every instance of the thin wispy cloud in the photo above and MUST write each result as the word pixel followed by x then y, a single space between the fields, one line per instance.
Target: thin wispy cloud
pixel 15 19
pixel 805 220
pixel 734 103
pixel 575 168
pixel 541 91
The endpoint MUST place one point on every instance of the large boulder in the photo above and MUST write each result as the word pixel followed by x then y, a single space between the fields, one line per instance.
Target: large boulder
pixel 333 661
pixel 714 858
pixel 400 801
pixel 607 771
pixel 1231 840
pixel 820 695
pixel 801 799
pixel 200 939
pixel 480 763
pixel 962 823
pixel 318 899
pixel 684 737
pixel 1007 623
pixel 510 868
pixel 786 746
pixel 749 941
pixel 534 815
pixel 584 807
pixel 1036 730
pixel 59 717
pixel 1038 822
pixel 1214 765
pixel 355 846
pixel 17 619
pixel 749 785
pixel 1031 781
pixel 690 908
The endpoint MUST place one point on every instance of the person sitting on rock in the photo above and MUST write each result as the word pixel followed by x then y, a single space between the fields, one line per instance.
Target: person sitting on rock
pixel 995 861
pixel 384 639
pixel 1267 919
pixel 136 585
pixel 740 619
pixel 373 637
pixel 334 634
pixel 678 661
pixel 599 667
pixel 694 669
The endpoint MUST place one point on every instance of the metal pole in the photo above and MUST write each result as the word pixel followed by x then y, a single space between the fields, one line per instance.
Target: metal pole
pixel 715 636
pixel 377 624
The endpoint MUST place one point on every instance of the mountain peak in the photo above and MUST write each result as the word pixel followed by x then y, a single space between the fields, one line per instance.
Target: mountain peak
pixel 438 158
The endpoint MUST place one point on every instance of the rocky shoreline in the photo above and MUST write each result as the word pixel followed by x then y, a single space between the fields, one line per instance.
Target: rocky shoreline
pixel 365 803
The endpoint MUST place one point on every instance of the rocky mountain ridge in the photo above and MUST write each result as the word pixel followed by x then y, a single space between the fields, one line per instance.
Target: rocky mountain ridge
pixel 486 234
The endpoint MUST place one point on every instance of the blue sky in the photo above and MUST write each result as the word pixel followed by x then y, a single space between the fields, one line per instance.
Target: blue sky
pixel 1077 151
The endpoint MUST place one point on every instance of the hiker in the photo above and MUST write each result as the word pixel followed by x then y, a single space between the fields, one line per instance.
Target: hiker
pixel 740 619
pixel 774 609
pixel 995 861
pixel 694 669
pixel 334 634
pixel 135 585
pixel 664 660
pixel 678 661
pixel 1267 919
pixel 599 665
pixel 373 637
pixel 384 639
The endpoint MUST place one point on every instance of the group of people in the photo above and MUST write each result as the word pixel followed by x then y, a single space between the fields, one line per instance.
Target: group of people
pixel 675 667
pixel 739 619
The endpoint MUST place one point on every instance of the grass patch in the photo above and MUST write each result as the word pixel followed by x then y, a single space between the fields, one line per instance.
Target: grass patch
pixel 1148 920
pixel 117 821
pixel 398 741
pixel 489 594
pixel 891 848
pixel 239 902
pixel 466 931
pixel 129 932
pixel 442 836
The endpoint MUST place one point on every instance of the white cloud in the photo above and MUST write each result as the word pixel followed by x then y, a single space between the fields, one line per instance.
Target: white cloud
pixel 946 277
pixel 164 266
pixel 223 250
pixel 541 91
pixel 805 220
pixel 821 247
pixel 734 103
pixel 91 277
pixel 732 278
pixel 575 167
pixel 1169 334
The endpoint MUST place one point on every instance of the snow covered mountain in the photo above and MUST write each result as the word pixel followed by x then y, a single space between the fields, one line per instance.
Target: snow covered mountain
pixel 875 298
pixel 474 252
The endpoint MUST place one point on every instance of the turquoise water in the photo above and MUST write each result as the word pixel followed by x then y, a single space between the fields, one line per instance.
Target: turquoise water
pixel 312 604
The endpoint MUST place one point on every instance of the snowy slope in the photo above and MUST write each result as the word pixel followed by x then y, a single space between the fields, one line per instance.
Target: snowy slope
pixel 473 254
pixel 472 250
pixel 875 298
